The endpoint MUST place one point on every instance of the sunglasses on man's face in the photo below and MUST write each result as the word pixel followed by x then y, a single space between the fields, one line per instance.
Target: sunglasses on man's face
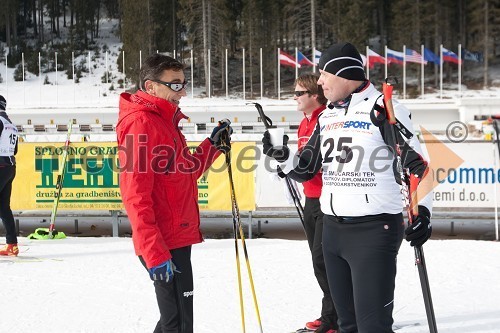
pixel 299 93
pixel 175 86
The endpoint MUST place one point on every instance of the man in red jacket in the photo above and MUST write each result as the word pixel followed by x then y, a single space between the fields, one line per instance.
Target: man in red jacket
pixel 158 183
pixel 311 101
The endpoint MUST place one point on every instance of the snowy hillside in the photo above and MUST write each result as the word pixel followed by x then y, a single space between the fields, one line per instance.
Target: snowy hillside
pixel 101 85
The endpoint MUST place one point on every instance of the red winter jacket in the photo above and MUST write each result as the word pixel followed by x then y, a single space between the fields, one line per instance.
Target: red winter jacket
pixel 158 176
pixel 312 188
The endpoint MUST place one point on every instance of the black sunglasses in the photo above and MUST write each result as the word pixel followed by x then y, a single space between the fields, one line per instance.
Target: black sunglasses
pixel 175 86
pixel 299 93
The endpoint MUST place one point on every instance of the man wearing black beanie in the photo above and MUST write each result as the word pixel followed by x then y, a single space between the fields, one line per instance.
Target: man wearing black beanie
pixel 344 64
pixel 361 197
pixel 8 148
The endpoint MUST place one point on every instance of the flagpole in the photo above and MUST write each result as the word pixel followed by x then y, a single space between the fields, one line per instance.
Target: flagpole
pixel 404 71
pixel 313 33
pixel 262 76
pixel 192 70
pixel 314 60
pixel 279 70
pixel 386 61
pixel 209 75
pixel 441 70
pixel 296 63
pixel 459 70
pixel 227 84
pixel 243 70
pixel 422 84
pixel 367 63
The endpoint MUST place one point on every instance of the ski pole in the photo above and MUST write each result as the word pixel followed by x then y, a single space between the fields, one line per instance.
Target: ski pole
pixel 410 192
pixel 426 291
pixel 268 123
pixel 238 270
pixel 237 222
pixel 496 120
pixel 235 234
pixel 295 198
pixel 412 182
pixel 60 181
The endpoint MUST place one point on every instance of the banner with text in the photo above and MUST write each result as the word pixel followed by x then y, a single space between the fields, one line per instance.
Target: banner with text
pixel 91 180
pixel 472 182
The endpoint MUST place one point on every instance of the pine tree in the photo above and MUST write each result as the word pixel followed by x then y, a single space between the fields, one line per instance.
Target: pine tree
pixel 165 25
pixel 136 35
pixel 207 25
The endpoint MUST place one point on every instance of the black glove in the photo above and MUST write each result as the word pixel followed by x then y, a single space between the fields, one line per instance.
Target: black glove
pixel 421 229
pixel 281 153
pixel 221 136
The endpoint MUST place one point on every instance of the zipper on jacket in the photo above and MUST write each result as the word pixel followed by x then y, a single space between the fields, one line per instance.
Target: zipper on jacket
pixel 331 204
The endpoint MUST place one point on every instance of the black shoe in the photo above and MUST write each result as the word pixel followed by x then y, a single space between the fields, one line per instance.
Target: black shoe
pixel 326 328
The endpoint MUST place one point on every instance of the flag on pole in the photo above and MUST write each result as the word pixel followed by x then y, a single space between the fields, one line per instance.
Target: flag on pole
pixel 374 58
pixel 414 56
pixel 431 56
pixel 288 60
pixel 394 57
pixel 450 56
pixel 317 55
pixel 302 60
pixel 472 56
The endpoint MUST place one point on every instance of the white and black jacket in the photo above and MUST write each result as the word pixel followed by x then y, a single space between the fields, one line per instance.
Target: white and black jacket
pixel 360 177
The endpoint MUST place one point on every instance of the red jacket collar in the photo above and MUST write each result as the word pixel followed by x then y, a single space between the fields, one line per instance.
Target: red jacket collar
pixel 141 101
pixel 316 112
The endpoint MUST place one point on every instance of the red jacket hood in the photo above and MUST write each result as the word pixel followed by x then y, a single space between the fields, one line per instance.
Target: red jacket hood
pixel 142 102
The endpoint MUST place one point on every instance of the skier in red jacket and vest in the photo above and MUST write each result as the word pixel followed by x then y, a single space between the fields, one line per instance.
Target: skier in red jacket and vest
pixel 311 101
pixel 158 183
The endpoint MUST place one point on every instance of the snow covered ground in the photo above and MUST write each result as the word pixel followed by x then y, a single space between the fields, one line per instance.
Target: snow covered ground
pixel 98 285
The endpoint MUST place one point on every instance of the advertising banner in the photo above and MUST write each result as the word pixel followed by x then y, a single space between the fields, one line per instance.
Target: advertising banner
pixel 92 178
pixel 471 182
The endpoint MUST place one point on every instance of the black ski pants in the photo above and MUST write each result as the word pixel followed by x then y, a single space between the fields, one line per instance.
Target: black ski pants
pixel 7 175
pixel 313 226
pixel 360 257
pixel 175 298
